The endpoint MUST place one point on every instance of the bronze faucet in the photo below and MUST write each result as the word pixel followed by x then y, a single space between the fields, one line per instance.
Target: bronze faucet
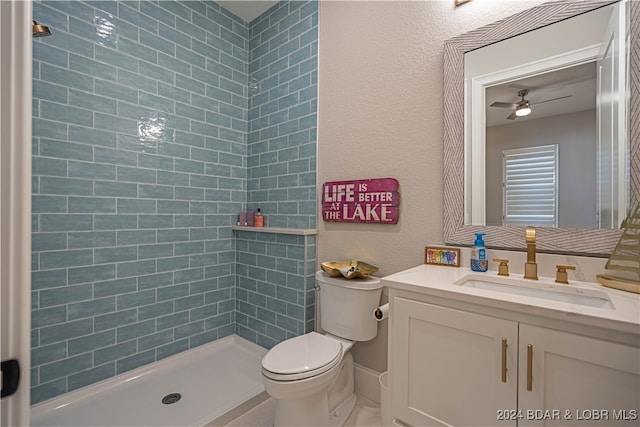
pixel 530 267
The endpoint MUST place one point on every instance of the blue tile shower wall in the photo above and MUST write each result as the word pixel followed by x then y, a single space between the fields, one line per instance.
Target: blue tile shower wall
pixel 282 114
pixel 141 123
pixel 276 286
pixel 140 147
pixel 275 273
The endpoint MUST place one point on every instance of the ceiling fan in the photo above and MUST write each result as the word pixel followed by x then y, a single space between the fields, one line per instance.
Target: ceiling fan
pixel 523 107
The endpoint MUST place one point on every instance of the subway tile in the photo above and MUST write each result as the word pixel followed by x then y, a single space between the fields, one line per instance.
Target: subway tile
pixel 62 222
pixel 116 254
pixel 91 376
pixel 172 207
pixel 48 353
pixel 49 166
pixel 155 280
pixel 136 299
pixel 155 310
pixel 50 92
pixel 48 279
pixel 136 175
pixel 92 136
pixel 91 274
pixel 155 251
pixel 135 361
pixel 91 308
pixel 114 320
pixel 136 268
pixel 92 205
pixel 110 122
pixel 119 157
pixel 189 329
pixel 48 316
pixel 172 348
pixel 114 287
pixel 135 330
pixel 155 221
pixel 48 241
pixel 65 77
pixel 172 292
pixel 90 170
pixel 116 58
pixel 115 352
pixel 65 331
pixel 173 235
pixel 65 295
pixel 175 263
pixel 65 150
pixel 155 191
pixel 156 43
pixel 155 162
pixel 129 206
pixel 46 391
pixel 115 222
pixel 136 50
pixel 136 237
pixel 93 68
pixel 115 189
pixel 155 340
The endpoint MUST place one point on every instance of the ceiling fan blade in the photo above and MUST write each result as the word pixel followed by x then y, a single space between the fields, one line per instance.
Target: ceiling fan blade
pixel 512 116
pixel 504 104
pixel 549 100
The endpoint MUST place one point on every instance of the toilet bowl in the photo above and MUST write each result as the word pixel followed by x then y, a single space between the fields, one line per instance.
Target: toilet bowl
pixel 299 372
pixel 311 376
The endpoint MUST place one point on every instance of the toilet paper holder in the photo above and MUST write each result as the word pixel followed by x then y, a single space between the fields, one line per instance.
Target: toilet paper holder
pixel 381 312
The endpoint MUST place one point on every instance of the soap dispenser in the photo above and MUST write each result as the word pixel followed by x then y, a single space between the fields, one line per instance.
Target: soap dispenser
pixel 479 261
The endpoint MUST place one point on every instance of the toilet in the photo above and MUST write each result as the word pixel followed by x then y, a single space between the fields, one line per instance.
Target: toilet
pixel 311 377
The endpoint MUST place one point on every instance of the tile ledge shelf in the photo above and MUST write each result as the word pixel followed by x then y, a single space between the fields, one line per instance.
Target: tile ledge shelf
pixel 277 230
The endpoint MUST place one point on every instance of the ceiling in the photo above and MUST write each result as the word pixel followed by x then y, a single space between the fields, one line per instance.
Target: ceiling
pixel 248 10
pixel 577 84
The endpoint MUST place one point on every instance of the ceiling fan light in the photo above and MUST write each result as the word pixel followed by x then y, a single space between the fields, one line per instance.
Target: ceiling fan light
pixel 523 109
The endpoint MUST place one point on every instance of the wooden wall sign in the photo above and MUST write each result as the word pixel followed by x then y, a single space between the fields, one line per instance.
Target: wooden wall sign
pixel 367 200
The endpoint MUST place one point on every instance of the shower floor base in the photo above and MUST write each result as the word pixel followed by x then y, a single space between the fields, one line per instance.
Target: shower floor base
pixel 208 385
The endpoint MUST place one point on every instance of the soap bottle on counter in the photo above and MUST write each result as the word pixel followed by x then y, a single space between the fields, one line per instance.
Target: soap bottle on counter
pixel 258 219
pixel 479 261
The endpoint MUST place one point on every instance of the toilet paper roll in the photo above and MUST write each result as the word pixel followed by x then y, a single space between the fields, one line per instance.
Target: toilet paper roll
pixel 381 312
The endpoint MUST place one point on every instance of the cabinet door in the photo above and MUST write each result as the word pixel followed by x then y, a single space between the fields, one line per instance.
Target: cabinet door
pixel 446 366
pixel 576 380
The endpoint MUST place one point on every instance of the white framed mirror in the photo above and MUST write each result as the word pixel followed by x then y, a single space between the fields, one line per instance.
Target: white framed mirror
pixel 491 72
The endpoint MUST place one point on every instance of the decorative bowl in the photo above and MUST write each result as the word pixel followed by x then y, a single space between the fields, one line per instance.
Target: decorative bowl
pixel 348 269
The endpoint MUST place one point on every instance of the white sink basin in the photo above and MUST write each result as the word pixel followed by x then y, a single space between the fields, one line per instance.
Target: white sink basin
pixel 534 289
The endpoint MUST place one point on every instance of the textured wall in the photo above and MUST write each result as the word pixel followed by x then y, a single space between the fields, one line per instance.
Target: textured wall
pixel 140 123
pixel 380 115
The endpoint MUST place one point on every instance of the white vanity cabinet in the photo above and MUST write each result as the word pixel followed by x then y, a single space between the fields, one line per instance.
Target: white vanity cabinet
pixel 453 366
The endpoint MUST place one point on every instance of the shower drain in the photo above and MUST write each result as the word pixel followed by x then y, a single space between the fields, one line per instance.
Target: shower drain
pixel 171 398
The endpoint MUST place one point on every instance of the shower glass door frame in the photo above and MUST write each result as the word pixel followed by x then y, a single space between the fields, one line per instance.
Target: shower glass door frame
pixel 15 202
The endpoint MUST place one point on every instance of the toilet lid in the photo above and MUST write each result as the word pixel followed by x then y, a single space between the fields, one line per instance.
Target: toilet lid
pixel 309 354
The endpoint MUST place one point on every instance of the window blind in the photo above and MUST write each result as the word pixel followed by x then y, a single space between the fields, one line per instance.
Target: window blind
pixel 530 186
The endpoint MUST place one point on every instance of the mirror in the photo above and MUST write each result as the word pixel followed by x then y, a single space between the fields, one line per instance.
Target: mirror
pixel 547 139
pixel 538 66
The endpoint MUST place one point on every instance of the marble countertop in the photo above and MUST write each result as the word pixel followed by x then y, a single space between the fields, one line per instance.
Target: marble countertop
pixel 438 281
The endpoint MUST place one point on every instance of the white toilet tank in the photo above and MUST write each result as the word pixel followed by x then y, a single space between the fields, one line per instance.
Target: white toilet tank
pixel 347 306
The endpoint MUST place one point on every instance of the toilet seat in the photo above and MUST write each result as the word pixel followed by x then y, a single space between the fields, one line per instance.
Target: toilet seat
pixel 301 357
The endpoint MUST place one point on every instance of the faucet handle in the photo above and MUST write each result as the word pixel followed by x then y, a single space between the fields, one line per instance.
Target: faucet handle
pixel 561 273
pixel 530 234
pixel 503 268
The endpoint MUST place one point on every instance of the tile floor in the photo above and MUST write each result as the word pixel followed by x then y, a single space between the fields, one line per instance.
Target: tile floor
pixel 365 414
